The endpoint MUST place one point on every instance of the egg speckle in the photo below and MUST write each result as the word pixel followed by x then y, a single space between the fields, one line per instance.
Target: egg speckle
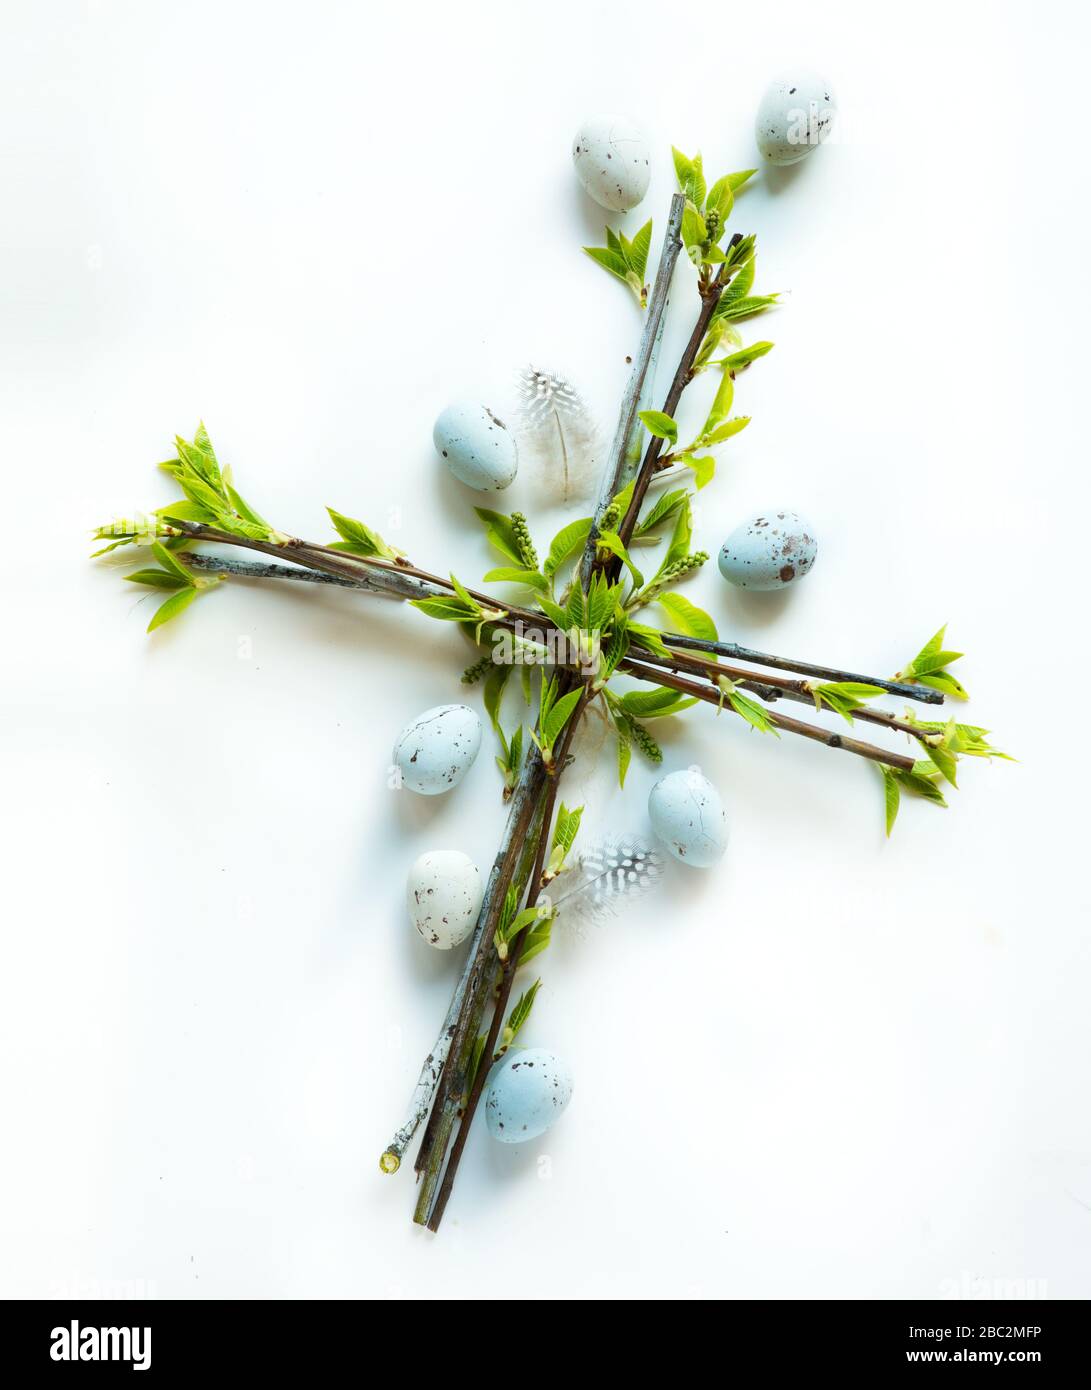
pixel 612 159
pixel 688 816
pixel 435 751
pixel 795 116
pixel 443 895
pixel 477 446
pixel 527 1093
pixel 772 551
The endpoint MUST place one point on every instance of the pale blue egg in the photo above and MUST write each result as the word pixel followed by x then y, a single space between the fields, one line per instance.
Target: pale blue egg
pixel 436 750
pixel 527 1093
pixel 772 551
pixel 477 447
pixel 688 816
pixel 796 115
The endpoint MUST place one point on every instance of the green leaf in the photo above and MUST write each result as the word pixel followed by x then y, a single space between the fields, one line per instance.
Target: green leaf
pixel 558 716
pixel 739 360
pixel 686 618
pixel 694 230
pixel 666 507
pixel 447 609
pixel 921 784
pixel 947 684
pixel 246 512
pixel 201 464
pixel 173 566
pixel 360 539
pixel 197 490
pixel 737 180
pixel 624 751
pixel 704 468
pixel 649 638
pixel 176 604
pixel 893 796
pixel 680 536
pixel 501 533
pixel 158 579
pixel 740 286
pixel 521 1012
pixel 536 941
pixel 752 712
pixel 726 430
pixel 655 704
pixel 567 827
pixel 662 426
pixel 531 578
pixel 185 510
pixel 613 261
pixel 721 405
pixel 691 178
pixel 844 696
pixel 613 542
pixel 721 198
pixel 568 540
pixel 746 307
pixel 641 245
pixel 493 693
pixel 945 761
pixel 556 615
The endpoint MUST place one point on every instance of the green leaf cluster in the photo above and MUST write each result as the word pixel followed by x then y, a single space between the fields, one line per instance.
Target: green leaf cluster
pixel 625 259
pixel 183 584
pixel 358 539
pixel 564 835
pixel 459 607
pixel 707 210
pixel 929 667
pixel 844 696
pixel 210 496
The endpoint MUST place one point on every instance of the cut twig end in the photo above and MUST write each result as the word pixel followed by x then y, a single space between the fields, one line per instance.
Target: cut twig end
pixel 390 1162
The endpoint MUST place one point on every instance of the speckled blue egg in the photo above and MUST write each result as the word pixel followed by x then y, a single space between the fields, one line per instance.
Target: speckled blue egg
pixel 772 551
pixel 795 116
pixel 688 816
pixel 436 750
pixel 527 1093
pixel 477 447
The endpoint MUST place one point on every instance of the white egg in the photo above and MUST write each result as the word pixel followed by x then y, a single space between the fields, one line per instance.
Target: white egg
pixel 443 894
pixel 613 161
pixel 477 447
pixel 688 816
pixel 435 751
pixel 774 550
pixel 795 116
pixel 527 1093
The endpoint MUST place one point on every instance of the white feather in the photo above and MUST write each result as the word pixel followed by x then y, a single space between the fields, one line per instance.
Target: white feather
pixel 608 875
pixel 557 434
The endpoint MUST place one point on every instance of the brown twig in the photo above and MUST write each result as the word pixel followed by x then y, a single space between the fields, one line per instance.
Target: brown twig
pixel 781 721
pixel 770 687
pixel 507 979
pixel 710 297
pixel 922 693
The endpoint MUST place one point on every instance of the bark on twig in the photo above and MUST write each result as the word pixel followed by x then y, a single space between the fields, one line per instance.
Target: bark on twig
pixel 619 463
pixel 831 739
pixel 924 694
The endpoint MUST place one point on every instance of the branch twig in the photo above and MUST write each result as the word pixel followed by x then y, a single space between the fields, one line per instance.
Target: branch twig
pixel 922 693
pixel 782 721
pixel 507 979
pixel 628 423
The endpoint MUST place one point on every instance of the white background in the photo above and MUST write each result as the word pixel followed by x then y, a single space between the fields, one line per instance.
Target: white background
pixel 833 1066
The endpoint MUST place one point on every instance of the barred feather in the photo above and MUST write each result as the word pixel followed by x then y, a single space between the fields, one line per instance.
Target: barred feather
pixel 608 876
pixel 557 434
